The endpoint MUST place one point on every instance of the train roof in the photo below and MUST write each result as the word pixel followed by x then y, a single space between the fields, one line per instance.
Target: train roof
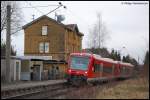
pixel 103 59
pixel 126 64
pixel 81 54
pixel 95 56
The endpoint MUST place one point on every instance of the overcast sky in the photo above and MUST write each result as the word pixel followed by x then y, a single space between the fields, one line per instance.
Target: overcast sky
pixel 127 22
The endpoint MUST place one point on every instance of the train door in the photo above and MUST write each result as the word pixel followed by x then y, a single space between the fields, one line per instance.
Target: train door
pixel 95 66
pixel 97 69
pixel 101 69
pixel 17 70
pixel 117 70
pixel 113 69
pixel 122 71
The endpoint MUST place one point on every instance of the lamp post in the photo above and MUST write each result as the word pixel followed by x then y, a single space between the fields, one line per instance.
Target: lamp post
pixel 121 52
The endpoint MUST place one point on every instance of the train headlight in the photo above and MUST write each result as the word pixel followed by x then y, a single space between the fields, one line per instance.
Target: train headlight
pixel 69 70
pixel 92 69
pixel 85 73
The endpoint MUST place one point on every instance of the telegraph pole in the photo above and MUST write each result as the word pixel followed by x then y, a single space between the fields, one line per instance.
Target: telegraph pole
pixel 8 52
pixel 138 61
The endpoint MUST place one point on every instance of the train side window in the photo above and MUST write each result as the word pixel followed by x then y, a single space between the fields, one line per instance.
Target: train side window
pixel 127 70
pixel 107 69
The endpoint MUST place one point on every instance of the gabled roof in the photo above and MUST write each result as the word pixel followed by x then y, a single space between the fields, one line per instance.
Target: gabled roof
pixel 44 16
pixel 74 28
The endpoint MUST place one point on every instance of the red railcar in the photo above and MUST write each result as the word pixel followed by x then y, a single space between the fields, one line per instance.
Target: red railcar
pixel 85 66
pixel 126 69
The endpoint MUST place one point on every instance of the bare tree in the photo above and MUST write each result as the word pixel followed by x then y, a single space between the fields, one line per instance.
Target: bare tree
pixel 16 16
pixel 98 34
pixel 92 37
pixel 10 18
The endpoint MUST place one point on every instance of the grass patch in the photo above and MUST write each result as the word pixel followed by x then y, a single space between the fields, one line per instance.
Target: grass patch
pixel 129 89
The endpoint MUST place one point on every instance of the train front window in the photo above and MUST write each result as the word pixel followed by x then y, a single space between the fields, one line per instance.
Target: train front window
pixel 79 62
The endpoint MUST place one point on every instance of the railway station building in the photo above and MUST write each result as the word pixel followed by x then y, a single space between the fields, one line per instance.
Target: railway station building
pixel 45 36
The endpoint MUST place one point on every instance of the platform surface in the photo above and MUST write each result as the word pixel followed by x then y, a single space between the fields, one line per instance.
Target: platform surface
pixel 27 84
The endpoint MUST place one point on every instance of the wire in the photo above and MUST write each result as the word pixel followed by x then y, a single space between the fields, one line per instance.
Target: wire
pixel 35 8
pixel 30 7
pixel 16 31
pixel 53 10
pixel 40 6
pixel 19 28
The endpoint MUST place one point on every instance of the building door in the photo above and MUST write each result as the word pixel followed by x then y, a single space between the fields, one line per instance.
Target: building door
pixel 17 71
pixel 36 72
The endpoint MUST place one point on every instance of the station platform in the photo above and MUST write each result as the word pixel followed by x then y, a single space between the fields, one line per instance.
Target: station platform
pixel 29 84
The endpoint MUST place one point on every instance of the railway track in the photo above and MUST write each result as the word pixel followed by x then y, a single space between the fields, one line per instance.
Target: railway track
pixel 51 93
pixel 55 91
pixel 26 92
pixel 40 92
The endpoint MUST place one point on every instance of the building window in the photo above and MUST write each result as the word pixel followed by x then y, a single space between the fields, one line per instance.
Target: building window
pixel 41 47
pixel 44 47
pixel 44 30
